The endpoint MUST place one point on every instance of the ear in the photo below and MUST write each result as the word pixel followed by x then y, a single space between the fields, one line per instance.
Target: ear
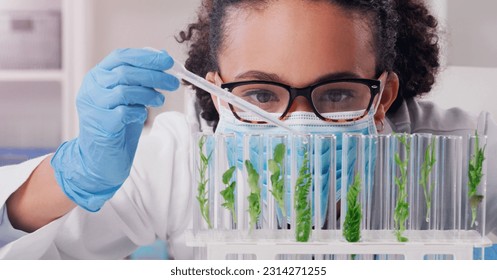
pixel 213 78
pixel 390 92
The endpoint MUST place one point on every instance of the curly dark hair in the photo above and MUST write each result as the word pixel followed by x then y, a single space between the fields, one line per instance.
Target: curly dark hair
pixel 405 34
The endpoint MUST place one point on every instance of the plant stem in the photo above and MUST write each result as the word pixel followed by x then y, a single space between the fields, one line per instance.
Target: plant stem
pixel 426 168
pixel 202 194
pixel 401 212
pixel 475 174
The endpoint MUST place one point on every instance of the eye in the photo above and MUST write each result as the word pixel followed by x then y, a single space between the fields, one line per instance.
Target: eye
pixel 341 96
pixel 261 96
pixel 336 95
pixel 269 97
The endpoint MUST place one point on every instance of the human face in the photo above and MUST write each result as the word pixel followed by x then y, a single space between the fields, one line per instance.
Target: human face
pixel 299 43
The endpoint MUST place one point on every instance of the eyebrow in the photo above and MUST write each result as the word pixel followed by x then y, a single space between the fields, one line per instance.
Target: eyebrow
pixel 271 77
pixel 258 75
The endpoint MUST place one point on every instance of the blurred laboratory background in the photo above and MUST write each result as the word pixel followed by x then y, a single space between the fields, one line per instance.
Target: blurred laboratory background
pixel 47 46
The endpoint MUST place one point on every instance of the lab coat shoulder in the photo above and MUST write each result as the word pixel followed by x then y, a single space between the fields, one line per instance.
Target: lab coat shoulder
pixel 427 117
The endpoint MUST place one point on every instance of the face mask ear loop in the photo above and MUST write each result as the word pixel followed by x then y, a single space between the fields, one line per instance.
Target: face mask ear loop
pixel 218 101
pixel 378 102
pixel 222 109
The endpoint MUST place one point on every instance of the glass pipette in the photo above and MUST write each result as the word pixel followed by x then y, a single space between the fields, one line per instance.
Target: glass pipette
pixel 181 72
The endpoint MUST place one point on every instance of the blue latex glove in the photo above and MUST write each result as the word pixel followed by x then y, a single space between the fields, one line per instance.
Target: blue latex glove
pixel 112 110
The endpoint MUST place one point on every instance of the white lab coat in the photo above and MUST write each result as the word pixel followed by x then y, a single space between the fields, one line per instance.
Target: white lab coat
pixel 156 202
pixel 153 203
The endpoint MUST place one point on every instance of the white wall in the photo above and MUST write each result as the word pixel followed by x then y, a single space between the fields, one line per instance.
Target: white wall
pixel 470 88
pixel 469 49
pixel 29 114
pixel 29 4
pixel 440 10
pixel 473 32
pixel 145 23
pixel 468 31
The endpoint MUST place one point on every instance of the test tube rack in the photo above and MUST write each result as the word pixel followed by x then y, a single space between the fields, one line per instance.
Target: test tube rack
pixel 289 197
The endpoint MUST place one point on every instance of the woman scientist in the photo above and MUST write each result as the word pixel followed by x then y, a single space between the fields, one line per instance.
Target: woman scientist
pixel 105 193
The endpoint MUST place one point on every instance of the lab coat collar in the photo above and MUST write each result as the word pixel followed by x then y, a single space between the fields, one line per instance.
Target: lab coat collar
pixel 399 121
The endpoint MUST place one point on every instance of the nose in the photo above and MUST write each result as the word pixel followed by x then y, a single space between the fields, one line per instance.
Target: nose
pixel 300 104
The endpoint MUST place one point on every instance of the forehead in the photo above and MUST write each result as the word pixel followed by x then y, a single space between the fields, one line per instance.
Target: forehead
pixel 297 40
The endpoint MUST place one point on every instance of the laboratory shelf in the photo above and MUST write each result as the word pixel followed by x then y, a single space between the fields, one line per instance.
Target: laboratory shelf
pixel 267 244
pixel 31 75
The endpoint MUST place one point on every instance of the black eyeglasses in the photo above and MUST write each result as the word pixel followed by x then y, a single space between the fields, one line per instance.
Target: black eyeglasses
pixel 327 98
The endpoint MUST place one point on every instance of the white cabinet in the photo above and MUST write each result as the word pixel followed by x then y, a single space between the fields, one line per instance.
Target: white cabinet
pixel 38 74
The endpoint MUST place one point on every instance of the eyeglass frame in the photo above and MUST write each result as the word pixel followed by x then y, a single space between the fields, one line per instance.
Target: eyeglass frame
pixel 374 86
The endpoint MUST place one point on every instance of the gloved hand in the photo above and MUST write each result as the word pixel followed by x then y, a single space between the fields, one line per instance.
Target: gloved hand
pixel 111 108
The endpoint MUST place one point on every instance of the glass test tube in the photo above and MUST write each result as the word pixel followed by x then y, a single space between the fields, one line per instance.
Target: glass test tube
pixel 381 213
pixel 301 195
pixel 358 173
pixel 425 173
pixel 401 183
pixel 225 214
pixel 253 176
pixel 448 175
pixel 325 194
pixel 475 184
pixel 435 194
pixel 277 178
pixel 203 188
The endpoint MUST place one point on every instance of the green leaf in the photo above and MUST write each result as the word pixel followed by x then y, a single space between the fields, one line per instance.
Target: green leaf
pixel 229 196
pixel 228 175
pixel 302 205
pixel 398 161
pixel 254 208
pixel 475 174
pixel 402 238
pixel 352 224
pixel 273 166
pixel 255 194
pixel 253 176
pixel 279 153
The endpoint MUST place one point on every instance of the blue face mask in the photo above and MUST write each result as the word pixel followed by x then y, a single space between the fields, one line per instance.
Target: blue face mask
pixel 308 123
